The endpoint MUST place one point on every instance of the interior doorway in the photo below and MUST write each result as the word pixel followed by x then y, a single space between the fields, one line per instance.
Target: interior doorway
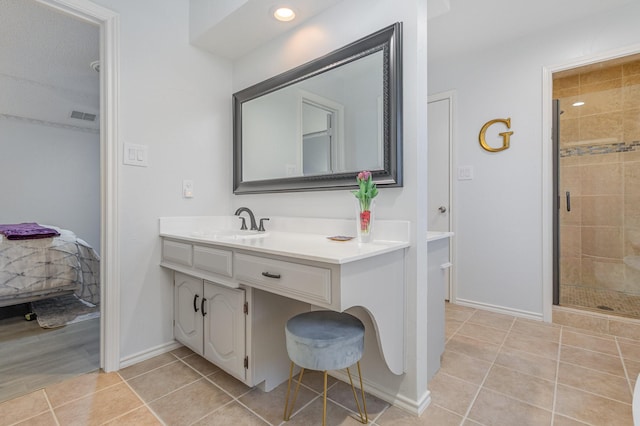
pixel 440 160
pixel 597 183
pixel 51 136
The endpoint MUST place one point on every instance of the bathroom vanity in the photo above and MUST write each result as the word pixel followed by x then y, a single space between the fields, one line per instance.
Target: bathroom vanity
pixel 438 266
pixel 234 290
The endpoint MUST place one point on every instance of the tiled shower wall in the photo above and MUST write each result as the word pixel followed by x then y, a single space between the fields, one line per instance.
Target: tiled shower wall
pixel 600 167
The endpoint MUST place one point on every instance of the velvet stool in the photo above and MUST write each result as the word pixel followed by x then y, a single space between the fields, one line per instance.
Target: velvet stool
pixel 323 341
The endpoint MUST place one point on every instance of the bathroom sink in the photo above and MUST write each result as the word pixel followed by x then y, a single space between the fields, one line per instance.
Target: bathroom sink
pixel 244 235
pixel 229 234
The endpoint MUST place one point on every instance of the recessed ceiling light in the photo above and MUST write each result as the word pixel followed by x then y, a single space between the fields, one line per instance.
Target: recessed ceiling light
pixel 284 14
pixel 579 103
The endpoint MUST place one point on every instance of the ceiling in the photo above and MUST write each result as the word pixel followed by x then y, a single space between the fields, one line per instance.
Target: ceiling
pixel 43 51
pixel 44 63
pixel 233 28
pixel 472 24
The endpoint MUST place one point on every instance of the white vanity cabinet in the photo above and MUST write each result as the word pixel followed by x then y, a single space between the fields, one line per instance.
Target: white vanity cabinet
pixel 211 320
pixel 438 265
pixel 273 277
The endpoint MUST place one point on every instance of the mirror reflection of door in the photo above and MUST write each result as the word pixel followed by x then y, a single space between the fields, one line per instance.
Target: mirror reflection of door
pixel 318 138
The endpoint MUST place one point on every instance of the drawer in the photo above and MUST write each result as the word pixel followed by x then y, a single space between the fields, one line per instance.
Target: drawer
pixel 302 282
pixel 175 252
pixel 213 260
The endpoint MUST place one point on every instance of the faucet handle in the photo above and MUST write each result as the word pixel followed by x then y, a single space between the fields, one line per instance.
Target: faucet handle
pixel 244 223
pixel 261 227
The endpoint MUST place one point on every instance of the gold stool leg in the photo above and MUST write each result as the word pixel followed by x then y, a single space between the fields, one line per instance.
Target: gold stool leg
pixel 324 400
pixel 286 401
pixel 363 418
pixel 295 393
pixel 364 401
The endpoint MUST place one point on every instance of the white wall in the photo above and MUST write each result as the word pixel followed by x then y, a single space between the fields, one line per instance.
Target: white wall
pixel 176 99
pixel 50 175
pixel 500 252
pixel 336 27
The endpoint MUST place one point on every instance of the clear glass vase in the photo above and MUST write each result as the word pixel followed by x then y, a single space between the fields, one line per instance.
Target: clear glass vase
pixel 364 221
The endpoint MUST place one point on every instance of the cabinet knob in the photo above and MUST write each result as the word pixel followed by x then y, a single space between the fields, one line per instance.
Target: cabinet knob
pixel 442 209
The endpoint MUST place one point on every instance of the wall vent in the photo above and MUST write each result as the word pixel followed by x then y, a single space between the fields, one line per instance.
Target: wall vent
pixel 83 116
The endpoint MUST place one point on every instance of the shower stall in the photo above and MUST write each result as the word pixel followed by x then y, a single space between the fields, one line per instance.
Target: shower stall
pixel 597 128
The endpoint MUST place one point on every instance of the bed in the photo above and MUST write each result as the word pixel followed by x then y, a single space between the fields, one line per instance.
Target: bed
pixel 34 269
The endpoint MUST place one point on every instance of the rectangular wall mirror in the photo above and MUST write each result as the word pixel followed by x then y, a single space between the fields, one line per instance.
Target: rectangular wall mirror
pixel 316 126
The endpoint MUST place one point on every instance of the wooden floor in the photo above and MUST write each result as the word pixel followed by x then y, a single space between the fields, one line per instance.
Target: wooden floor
pixel 32 357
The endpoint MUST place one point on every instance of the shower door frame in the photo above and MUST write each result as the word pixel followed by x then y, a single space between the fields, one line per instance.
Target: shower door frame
pixel 550 202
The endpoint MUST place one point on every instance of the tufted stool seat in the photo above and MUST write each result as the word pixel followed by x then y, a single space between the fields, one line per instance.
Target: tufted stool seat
pixel 324 340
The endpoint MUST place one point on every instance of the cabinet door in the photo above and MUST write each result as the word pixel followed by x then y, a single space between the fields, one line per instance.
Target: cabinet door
pixel 188 327
pixel 224 328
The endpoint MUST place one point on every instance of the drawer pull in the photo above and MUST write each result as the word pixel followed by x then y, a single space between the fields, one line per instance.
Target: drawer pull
pixel 195 303
pixel 202 307
pixel 270 275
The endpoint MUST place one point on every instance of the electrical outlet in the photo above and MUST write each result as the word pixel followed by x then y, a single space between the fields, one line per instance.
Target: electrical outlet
pixel 187 188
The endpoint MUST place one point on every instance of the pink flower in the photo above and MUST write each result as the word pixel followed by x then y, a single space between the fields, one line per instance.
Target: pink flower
pixel 364 175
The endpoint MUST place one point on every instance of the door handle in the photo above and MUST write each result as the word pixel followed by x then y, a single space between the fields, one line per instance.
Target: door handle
pixel 204 314
pixel 195 303
pixel 568 194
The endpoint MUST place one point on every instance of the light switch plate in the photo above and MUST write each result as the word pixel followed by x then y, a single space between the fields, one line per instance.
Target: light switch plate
pixel 465 172
pixel 136 155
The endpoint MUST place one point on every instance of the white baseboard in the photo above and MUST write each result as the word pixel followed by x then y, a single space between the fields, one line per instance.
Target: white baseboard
pixel 392 397
pixel 500 309
pixel 149 353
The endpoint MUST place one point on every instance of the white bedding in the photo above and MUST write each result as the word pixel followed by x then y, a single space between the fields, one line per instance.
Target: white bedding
pixel 34 268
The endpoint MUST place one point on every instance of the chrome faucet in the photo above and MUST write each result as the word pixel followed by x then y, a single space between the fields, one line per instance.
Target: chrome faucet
pixel 252 218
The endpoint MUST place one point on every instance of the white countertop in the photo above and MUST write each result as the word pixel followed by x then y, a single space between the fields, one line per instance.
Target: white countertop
pixel 300 245
pixel 438 235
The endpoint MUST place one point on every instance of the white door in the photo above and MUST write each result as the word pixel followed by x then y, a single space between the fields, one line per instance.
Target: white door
pixel 224 328
pixel 187 301
pixel 439 169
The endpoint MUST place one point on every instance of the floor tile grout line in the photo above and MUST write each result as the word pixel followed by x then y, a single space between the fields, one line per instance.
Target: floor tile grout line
pixel 246 407
pixel 213 411
pixel 518 400
pixel 594 351
pixel 592 369
pixel 595 394
pixel 131 411
pixel 86 395
pixel 475 397
pixel 153 369
pixel 50 409
pixel 555 385
pixel 624 367
pixel 298 411
pixel 144 403
pixel 53 413
pixel 498 364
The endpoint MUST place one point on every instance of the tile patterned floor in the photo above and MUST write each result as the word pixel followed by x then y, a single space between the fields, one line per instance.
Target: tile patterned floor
pixel 496 370
pixel 601 300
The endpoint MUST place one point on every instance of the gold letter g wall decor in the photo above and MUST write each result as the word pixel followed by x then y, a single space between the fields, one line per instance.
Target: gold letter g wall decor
pixel 505 135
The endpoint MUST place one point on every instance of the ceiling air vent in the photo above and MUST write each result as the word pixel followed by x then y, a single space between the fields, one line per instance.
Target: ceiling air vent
pixel 83 116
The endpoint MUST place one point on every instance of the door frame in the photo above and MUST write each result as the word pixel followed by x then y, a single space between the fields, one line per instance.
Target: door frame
pixel 451 96
pixel 109 24
pixel 548 203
